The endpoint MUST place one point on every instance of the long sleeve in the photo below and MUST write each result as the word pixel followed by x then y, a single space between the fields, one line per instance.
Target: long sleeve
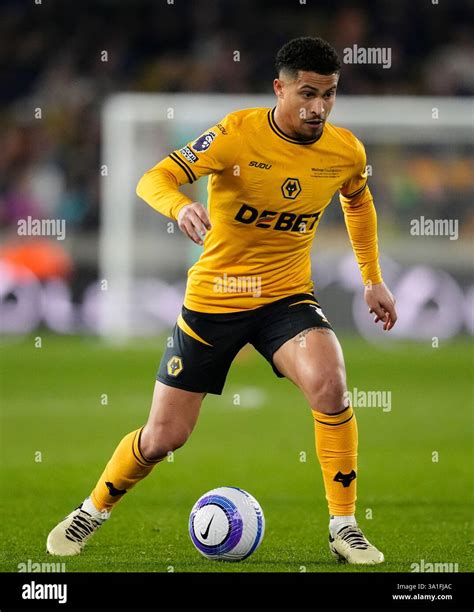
pixel 159 188
pixel 212 152
pixel 361 221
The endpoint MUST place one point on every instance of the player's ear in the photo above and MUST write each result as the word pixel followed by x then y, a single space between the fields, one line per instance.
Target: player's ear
pixel 278 87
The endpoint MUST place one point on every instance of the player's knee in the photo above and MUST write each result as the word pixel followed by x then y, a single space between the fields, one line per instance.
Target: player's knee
pixel 161 439
pixel 325 391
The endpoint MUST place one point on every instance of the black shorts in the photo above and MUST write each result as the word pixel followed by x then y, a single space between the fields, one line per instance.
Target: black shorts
pixel 204 345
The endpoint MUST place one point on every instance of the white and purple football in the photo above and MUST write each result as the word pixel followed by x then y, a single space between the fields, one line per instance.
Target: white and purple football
pixel 227 524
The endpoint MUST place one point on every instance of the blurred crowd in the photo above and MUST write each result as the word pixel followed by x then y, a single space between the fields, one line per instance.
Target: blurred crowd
pixel 60 58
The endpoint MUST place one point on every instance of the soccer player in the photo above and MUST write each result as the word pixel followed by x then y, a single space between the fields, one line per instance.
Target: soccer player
pixel 272 174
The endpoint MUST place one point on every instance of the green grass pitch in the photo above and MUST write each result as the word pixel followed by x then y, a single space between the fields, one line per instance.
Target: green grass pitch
pixel 412 507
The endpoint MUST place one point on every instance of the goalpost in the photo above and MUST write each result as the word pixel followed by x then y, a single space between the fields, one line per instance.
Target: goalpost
pixel 137 245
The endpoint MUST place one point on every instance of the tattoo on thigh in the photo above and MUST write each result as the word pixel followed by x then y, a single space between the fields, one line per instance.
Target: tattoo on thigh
pixel 321 330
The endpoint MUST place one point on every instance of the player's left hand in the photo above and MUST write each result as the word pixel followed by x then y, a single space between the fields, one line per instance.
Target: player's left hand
pixel 381 303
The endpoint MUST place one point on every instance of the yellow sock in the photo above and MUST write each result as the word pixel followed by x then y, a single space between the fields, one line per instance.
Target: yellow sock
pixel 126 467
pixel 336 447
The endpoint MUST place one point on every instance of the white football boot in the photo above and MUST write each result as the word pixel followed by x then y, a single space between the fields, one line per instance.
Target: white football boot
pixel 349 545
pixel 69 536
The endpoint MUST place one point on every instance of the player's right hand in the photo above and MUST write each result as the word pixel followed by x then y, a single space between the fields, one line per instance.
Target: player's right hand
pixel 193 221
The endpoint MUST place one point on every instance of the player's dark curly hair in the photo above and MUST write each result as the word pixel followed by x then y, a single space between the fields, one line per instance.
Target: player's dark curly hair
pixel 309 54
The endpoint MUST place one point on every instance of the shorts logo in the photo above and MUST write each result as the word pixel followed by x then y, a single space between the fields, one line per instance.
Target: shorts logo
pixel 319 311
pixel 204 142
pixel 174 366
pixel 189 155
pixel 291 188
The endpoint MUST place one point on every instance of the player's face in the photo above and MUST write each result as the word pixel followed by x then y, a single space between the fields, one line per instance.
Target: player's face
pixel 304 103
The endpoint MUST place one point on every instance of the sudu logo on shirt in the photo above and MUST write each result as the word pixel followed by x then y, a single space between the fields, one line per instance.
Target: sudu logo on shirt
pixel 204 142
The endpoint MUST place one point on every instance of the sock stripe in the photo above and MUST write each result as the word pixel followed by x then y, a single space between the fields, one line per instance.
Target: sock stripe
pixel 338 418
pixel 136 445
pixel 140 459
pixel 334 424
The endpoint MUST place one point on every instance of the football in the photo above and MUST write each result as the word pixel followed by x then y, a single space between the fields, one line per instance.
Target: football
pixel 227 524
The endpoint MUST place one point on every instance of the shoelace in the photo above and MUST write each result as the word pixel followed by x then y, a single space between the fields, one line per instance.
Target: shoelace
pixel 81 527
pixel 354 537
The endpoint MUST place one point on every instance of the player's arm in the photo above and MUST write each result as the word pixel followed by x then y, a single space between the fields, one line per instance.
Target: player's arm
pixel 361 222
pixel 212 152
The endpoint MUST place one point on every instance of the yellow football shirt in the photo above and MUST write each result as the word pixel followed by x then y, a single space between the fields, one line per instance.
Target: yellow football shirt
pixel 266 195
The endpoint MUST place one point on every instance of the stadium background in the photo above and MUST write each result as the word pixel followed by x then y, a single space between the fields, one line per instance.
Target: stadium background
pixel 68 396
